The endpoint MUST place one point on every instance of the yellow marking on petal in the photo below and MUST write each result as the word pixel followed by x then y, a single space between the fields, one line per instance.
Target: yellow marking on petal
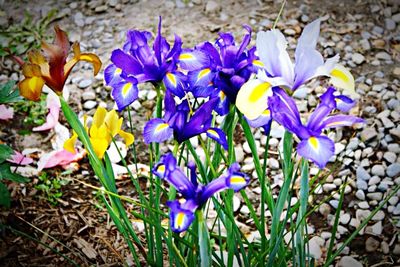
pixel 222 95
pixel 171 78
pixel 161 168
pixel 203 73
pixel 186 56
pixel 313 142
pixel 334 123
pixel 213 133
pixel 259 91
pixel 237 180
pixel 266 112
pixel 342 78
pixel 126 88
pixel 117 71
pixel 161 127
pixel 258 63
pixel 252 98
pixel 180 219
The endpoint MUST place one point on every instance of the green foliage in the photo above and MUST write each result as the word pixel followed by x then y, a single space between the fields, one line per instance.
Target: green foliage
pixel 19 38
pixel 34 112
pixel 7 174
pixel 9 93
pixel 51 187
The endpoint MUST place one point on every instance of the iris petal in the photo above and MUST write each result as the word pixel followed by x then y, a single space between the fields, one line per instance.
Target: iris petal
pixel 318 149
pixel 157 130
pixel 342 78
pixel 252 98
pixel 219 136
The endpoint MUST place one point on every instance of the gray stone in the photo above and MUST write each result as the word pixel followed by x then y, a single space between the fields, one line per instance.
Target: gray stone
pixel 363 205
pixel 112 3
pixel 89 104
pixel 348 261
pixel 375 196
pixel 395 148
pixel 334 203
pixel 396 17
pixel 365 44
pixel 383 56
pixel 84 83
pixel 212 7
pixel 360 194
pixel 374 180
pixel 379 216
pixel 345 218
pixel 394 200
pixel 393 103
pixel 385 247
pixel 390 157
pixel 100 9
pixel 371 245
pixel 88 95
pixel 393 170
pixel 377 228
pixel 368 134
pixel 315 245
pixel 396 250
pixel 378 170
pixel 362 174
pixel 239 153
pixel 273 164
pixel 358 58
pixel 324 209
pixel 361 184
pixel 390 24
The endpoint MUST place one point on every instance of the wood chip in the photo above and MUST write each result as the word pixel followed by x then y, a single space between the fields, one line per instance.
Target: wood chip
pixel 86 248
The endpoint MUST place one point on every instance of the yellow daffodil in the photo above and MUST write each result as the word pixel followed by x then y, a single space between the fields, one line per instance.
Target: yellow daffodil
pixel 105 126
pixel 50 67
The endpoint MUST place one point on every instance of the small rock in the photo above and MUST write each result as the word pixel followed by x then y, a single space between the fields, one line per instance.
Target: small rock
pixel 378 170
pixel 273 163
pixel 112 3
pixel 239 153
pixel 363 205
pixel 324 209
pixel 396 250
pixel 348 261
pixel 212 7
pixel 379 216
pixel 362 174
pixel 393 170
pixel 315 246
pixel 396 71
pixel 368 134
pixel 390 157
pixel 375 196
pixel 390 24
pixel 383 56
pixel 236 203
pixel 89 104
pixel 100 9
pixel 371 245
pixel 88 95
pixel 345 218
pixel 396 17
pixel 357 58
pixel 84 83
pixel 377 228
pixel 360 194
pixel 385 247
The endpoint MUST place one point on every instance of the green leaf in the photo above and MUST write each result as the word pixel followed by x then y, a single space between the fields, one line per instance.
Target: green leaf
pixel 5 199
pixel 5 152
pixel 9 93
pixel 6 173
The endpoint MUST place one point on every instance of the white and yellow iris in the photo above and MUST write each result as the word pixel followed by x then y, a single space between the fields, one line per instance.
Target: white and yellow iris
pixel 252 98
pixel 342 78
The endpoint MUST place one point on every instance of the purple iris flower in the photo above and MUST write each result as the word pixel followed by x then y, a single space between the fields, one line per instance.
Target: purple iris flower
pixel 137 63
pixel 178 122
pixel 313 145
pixel 194 194
pixel 228 68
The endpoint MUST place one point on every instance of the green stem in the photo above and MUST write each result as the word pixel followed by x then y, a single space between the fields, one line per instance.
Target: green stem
pixel 204 240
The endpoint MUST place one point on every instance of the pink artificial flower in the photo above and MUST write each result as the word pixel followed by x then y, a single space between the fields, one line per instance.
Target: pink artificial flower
pixel 6 113
pixel 53 104
pixel 59 158
pixel 20 159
